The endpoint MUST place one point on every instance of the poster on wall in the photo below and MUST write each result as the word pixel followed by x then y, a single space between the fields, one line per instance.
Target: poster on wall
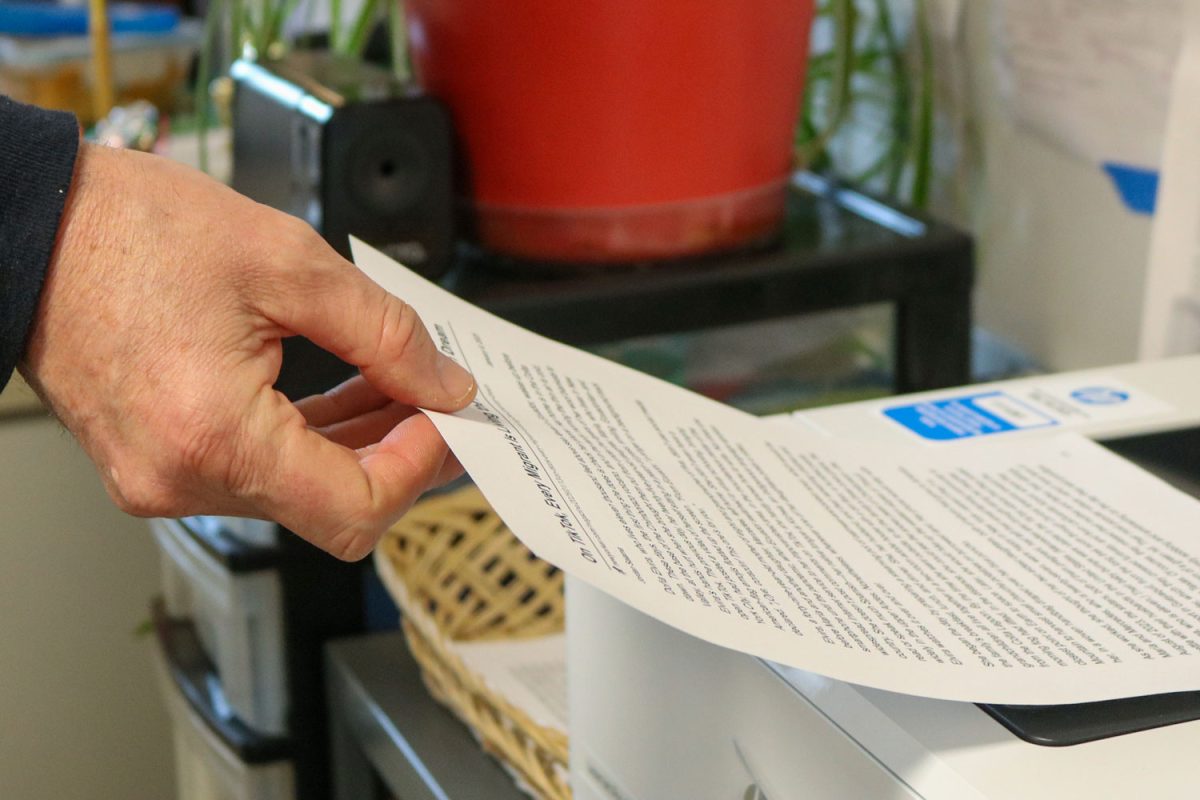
pixel 1113 82
pixel 1171 305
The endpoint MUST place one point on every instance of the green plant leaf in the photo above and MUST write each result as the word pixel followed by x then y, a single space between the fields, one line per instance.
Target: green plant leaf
pixel 335 24
pixel 398 36
pixel 844 15
pixel 922 140
pixel 212 20
pixel 279 13
pixel 357 39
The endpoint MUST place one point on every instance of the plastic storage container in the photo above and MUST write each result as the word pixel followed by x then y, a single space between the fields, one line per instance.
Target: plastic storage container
pixel 643 129
pixel 56 72
pixel 238 617
pixel 207 769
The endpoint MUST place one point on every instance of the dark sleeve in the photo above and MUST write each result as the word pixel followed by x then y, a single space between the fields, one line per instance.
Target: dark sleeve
pixel 37 159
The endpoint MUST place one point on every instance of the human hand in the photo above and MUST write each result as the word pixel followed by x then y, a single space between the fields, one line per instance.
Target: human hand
pixel 157 342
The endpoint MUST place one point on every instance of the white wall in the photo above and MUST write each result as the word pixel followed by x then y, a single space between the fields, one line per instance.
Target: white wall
pixel 1061 262
pixel 80 714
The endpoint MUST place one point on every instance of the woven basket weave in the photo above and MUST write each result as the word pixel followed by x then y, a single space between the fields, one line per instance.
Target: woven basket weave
pixel 459 575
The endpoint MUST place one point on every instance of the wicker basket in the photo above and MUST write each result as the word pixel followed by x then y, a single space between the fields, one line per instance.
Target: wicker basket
pixel 458 575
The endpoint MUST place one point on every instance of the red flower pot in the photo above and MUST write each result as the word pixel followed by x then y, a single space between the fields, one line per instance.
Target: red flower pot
pixel 618 130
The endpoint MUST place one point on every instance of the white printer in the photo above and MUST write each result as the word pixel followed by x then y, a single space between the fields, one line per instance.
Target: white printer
pixel 659 715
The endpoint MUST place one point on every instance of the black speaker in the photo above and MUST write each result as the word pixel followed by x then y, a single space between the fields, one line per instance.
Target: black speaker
pixel 347 147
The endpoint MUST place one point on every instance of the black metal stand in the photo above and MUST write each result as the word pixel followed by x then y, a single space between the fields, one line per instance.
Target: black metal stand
pixel 839 249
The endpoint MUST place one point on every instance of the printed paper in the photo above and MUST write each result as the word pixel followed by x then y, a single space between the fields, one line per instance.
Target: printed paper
pixel 1032 572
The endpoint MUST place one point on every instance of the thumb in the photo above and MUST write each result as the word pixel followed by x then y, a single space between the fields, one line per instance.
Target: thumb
pixel 328 300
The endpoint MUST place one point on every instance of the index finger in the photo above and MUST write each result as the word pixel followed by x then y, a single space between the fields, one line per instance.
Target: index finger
pixel 330 301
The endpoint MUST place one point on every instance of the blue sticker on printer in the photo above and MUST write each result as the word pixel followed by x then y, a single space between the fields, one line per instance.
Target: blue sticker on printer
pixel 1100 395
pixel 968 416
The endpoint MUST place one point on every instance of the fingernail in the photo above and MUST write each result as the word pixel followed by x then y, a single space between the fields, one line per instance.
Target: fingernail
pixel 456 381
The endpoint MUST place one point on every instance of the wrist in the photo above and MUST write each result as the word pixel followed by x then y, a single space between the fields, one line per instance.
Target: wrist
pixel 73 271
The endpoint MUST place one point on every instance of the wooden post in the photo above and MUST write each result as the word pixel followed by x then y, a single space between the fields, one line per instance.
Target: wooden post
pixel 102 85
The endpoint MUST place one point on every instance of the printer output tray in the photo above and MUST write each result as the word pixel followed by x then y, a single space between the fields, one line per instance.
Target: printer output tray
pixel 1173 456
